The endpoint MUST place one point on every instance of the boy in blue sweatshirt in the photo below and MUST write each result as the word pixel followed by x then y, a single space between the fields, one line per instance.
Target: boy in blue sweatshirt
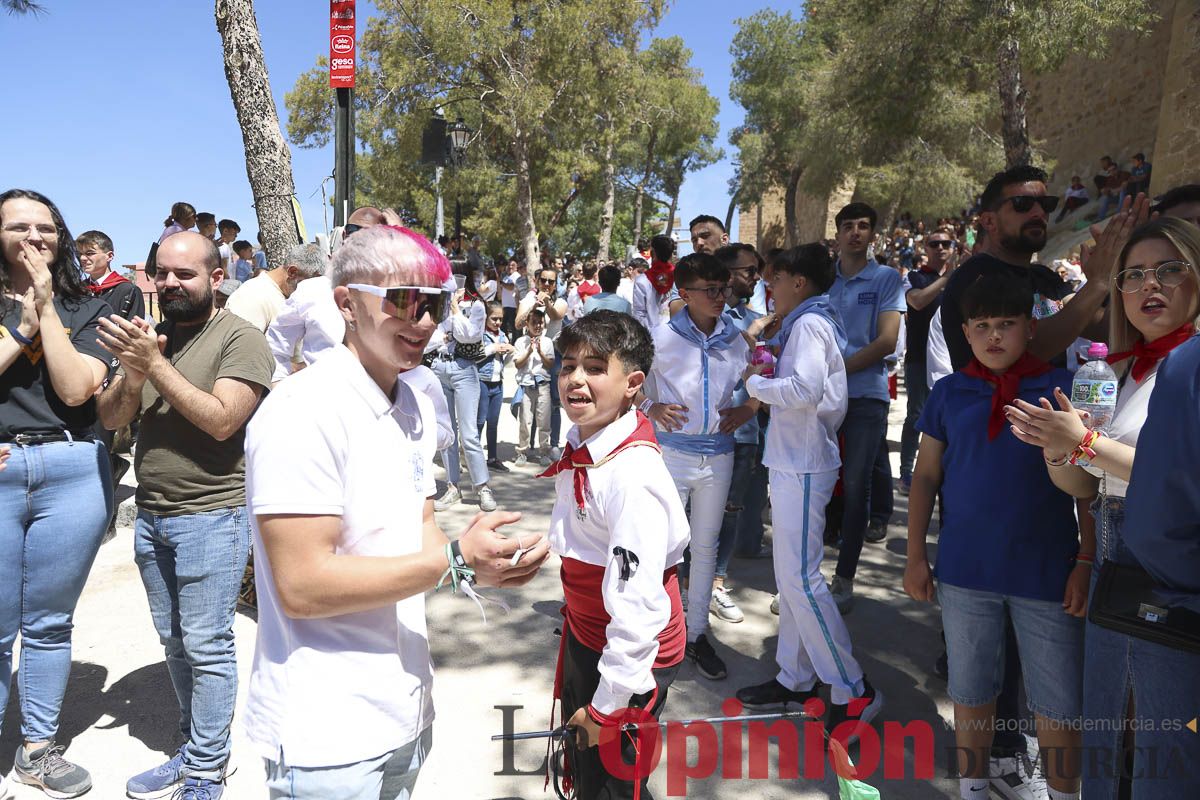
pixel 1008 541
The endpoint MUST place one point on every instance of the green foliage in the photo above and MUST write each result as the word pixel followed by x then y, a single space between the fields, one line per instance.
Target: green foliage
pixel 899 94
pixel 544 87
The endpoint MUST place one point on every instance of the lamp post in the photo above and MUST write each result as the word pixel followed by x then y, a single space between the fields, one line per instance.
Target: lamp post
pixel 457 137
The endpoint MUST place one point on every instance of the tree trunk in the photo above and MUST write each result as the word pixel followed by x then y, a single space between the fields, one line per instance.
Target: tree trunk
pixel 610 200
pixel 1014 126
pixel 791 225
pixel 525 201
pixel 733 200
pixel 268 159
pixel 641 187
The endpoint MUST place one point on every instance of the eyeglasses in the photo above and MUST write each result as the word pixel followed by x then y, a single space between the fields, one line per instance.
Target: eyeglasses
pixel 1024 203
pixel 713 292
pixel 1167 274
pixel 409 303
pixel 944 244
pixel 350 228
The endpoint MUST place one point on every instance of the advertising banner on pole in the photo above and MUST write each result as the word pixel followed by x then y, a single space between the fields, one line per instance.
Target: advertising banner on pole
pixel 341 44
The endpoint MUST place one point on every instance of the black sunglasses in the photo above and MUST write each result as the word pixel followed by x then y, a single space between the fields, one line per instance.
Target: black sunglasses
pixel 944 244
pixel 350 228
pixel 1024 203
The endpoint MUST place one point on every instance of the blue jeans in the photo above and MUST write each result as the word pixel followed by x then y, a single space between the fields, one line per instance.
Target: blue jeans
pixel 862 431
pixel 917 390
pixel 192 568
pixel 491 398
pixel 1163 684
pixel 390 776
pixel 460 383
pixel 742 528
pixel 55 503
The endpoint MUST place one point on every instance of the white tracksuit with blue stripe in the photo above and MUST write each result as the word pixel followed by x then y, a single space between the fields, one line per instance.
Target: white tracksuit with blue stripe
pixel 807 397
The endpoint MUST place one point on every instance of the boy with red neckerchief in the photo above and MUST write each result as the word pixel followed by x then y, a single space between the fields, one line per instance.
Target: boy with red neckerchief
pixel 1009 541
pixel 654 289
pixel 620 529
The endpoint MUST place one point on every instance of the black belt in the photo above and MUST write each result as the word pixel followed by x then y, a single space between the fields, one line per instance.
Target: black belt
pixel 26 439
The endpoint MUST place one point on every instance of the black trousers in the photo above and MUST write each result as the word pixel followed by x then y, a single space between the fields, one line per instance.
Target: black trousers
pixel 581 676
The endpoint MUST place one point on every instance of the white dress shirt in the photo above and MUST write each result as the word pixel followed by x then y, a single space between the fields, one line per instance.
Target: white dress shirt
pixel 807 397
pixel 937 354
pixel 630 502
pixel 309 317
pixel 680 374
pixel 328 442
pixel 648 308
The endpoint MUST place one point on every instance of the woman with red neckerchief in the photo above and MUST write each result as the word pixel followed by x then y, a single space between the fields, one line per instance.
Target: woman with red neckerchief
pixel 1154 307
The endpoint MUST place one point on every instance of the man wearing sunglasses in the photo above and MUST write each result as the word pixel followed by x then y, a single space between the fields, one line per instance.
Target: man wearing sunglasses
pixel 923 299
pixel 1015 212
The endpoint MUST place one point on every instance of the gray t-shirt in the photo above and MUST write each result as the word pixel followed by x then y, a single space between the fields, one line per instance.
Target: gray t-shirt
pixel 180 468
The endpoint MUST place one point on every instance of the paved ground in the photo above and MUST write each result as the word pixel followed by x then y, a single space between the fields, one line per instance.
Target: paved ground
pixel 120 712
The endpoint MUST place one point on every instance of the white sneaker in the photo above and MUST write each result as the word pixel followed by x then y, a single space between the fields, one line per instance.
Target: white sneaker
pixel 1017 778
pixel 775 605
pixel 487 501
pixel 842 590
pixel 521 460
pixel 683 599
pixel 5 788
pixel 452 496
pixel 723 606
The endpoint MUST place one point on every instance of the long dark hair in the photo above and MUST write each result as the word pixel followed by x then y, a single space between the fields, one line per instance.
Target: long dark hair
pixel 67 277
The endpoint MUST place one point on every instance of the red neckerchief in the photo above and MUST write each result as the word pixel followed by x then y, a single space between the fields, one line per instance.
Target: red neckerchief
pixel 110 280
pixel 661 275
pixel 1005 386
pixel 1145 356
pixel 581 460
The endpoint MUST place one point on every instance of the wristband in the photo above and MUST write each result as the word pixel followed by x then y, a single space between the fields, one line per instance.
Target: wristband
pixel 646 405
pixel 1057 462
pixel 457 570
pixel 1084 558
pixel 1084 448
pixel 20 337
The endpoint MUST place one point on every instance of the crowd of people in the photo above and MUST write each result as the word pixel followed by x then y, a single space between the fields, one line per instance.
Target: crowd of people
pixel 298 417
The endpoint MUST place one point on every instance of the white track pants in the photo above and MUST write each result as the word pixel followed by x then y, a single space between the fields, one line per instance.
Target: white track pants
pixel 813 640
pixel 704 480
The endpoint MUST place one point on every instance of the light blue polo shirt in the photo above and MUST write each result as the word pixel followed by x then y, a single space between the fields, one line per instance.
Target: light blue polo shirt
pixel 860 300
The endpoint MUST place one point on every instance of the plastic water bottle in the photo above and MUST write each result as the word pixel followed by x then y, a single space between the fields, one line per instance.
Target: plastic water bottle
pixel 763 355
pixel 1095 388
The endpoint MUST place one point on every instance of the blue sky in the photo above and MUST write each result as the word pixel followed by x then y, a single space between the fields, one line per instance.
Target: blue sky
pixel 117 116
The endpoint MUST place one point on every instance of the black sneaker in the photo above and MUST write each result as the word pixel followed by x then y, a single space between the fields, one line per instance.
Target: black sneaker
pixel 774 693
pixel 876 532
pixel 496 465
pixel 46 769
pixel 707 661
pixel 841 713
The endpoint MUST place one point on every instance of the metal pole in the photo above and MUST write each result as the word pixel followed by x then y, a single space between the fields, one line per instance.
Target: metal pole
pixel 440 222
pixel 343 164
pixel 458 224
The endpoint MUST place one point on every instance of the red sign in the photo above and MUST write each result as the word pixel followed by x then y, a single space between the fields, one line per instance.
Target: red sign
pixel 341 44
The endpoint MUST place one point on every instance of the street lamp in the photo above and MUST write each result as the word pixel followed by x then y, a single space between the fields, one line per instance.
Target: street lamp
pixel 457 137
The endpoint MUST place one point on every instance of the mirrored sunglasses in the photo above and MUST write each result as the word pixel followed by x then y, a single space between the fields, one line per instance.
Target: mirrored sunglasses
pixel 410 303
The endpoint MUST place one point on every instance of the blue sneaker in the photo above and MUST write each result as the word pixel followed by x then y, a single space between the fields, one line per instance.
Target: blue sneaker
pixel 162 781
pixel 199 789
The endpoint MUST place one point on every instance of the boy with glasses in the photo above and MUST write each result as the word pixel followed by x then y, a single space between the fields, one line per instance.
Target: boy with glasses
pixel 699 358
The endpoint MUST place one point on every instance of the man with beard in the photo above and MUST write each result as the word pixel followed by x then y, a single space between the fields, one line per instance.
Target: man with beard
pixel 197 378
pixel 1015 211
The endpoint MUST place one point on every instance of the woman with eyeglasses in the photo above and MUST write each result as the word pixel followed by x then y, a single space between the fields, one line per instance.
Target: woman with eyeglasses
pixel 455 362
pixel 1155 307
pixel 56 493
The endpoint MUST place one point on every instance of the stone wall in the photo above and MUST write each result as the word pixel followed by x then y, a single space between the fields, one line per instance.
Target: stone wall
pixel 1141 97
pixel 763 226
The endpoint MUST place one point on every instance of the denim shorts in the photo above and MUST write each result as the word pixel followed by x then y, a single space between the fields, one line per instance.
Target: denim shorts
pixel 1049 639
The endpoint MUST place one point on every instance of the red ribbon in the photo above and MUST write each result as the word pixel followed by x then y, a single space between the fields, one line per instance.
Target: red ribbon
pixel 581 461
pixel 1005 386
pixel 110 280
pixel 1145 356
pixel 661 275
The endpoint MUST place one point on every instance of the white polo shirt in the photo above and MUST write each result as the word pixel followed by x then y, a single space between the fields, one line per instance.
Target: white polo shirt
pixel 328 442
